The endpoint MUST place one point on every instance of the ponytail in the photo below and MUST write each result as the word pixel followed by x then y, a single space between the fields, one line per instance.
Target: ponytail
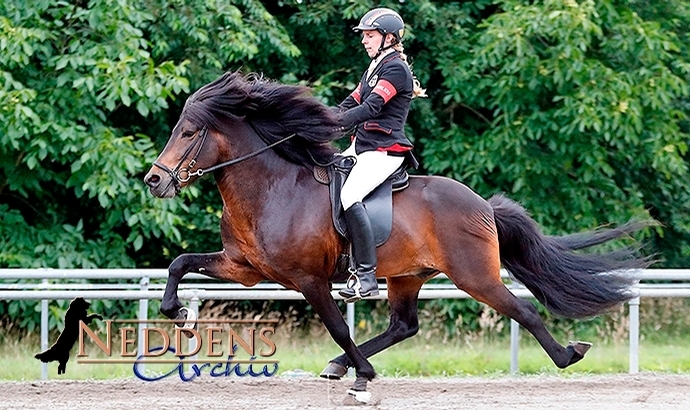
pixel 417 90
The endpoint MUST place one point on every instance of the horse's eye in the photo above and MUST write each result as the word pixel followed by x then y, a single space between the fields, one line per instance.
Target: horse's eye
pixel 187 134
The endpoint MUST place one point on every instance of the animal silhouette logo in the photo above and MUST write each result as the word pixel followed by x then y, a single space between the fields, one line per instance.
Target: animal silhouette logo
pixel 59 351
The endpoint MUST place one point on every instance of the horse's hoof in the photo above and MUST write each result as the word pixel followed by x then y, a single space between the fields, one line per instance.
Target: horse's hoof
pixel 579 350
pixel 333 371
pixel 360 396
pixel 581 347
pixel 186 319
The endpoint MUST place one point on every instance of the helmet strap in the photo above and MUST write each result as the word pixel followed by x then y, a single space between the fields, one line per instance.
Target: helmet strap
pixel 383 47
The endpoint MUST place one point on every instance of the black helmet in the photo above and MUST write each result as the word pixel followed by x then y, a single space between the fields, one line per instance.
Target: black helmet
pixel 384 20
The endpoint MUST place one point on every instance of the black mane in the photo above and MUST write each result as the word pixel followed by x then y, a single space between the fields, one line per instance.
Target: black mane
pixel 274 110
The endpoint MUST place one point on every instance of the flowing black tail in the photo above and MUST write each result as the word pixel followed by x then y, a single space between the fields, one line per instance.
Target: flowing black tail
pixel 569 284
pixel 586 239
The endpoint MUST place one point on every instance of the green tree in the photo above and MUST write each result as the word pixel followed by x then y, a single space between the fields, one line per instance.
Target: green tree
pixel 570 108
pixel 578 109
pixel 86 92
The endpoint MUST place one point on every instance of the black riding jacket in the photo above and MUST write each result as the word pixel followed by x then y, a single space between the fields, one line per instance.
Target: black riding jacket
pixel 378 107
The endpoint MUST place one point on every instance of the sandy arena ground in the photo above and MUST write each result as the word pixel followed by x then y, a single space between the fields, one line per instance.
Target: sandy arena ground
pixel 642 391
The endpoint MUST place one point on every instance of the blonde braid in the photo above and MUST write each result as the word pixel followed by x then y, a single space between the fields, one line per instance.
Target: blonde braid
pixel 417 90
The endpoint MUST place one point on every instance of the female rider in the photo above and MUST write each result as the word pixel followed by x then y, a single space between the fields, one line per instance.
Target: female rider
pixel 377 109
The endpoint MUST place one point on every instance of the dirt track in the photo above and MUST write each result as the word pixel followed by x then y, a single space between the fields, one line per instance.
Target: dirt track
pixel 644 391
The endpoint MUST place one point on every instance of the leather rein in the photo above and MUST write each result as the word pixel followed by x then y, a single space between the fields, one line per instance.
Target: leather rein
pixel 180 174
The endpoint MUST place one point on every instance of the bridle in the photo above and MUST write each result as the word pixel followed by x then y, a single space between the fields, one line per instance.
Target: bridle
pixel 180 174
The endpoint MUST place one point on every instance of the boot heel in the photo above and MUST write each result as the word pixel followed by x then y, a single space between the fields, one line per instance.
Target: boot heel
pixel 374 292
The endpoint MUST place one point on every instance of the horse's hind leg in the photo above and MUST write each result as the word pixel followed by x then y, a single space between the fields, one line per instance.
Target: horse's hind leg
pixel 486 286
pixel 402 299
pixel 526 314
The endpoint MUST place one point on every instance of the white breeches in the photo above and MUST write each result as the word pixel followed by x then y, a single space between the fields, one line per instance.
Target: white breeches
pixel 371 169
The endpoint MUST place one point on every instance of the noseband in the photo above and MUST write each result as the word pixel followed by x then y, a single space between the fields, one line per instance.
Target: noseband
pixel 185 174
pixel 180 174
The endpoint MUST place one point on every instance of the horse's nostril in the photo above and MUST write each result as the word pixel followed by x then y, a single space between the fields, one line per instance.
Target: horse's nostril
pixel 152 180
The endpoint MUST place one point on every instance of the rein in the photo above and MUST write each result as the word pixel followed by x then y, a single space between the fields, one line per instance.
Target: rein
pixel 178 172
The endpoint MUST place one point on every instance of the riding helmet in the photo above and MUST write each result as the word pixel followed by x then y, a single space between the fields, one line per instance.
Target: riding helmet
pixel 384 20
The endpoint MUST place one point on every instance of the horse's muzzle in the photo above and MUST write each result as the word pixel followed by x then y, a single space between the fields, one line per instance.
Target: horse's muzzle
pixel 161 184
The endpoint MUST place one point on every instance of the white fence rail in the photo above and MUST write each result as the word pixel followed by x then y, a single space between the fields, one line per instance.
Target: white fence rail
pixel 676 284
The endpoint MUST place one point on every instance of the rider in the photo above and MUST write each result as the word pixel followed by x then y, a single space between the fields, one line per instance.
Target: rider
pixel 377 109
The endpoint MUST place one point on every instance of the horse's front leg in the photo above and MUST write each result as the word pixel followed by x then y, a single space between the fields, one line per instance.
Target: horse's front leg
pixel 403 294
pixel 318 295
pixel 217 265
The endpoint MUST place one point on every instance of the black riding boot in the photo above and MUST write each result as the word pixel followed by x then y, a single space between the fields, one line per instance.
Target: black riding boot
pixel 362 283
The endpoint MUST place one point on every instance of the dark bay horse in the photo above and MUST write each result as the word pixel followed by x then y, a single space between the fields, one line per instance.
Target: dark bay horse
pixel 261 139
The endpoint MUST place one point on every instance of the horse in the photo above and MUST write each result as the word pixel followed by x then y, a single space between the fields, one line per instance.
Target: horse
pixel 261 141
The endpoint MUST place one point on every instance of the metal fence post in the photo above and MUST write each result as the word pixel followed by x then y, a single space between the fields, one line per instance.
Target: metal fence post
pixel 634 305
pixel 195 308
pixel 44 332
pixel 351 319
pixel 143 316
pixel 351 326
pixel 514 346
pixel 514 336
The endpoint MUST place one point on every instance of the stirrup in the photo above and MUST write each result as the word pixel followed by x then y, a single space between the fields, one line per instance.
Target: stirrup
pixel 352 291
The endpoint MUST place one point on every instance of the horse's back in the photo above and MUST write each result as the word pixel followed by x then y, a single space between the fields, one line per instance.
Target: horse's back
pixel 438 221
pixel 445 192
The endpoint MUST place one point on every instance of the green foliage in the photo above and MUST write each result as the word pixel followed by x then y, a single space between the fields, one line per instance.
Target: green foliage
pixel 86 90
pixel 82 86
pixel 568 108
pixel 578 109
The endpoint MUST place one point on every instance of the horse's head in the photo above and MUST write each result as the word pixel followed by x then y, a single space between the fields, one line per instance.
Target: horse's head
pixel 237 117
pixel 190 149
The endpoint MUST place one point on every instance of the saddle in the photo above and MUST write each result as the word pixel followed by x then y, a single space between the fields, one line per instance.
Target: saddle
pixel 379 203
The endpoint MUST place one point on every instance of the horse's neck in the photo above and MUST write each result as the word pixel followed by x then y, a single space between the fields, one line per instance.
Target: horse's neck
pixel 260 192
pixel 248 180
pixel 258 200
pixel 251 186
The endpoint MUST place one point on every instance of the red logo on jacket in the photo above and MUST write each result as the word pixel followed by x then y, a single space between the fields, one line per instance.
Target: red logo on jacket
pixel 385 89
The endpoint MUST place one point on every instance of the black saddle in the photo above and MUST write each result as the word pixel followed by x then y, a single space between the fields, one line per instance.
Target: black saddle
pixel 379 203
